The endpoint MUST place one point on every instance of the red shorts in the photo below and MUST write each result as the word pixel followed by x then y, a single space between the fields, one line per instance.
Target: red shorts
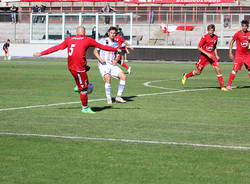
pixel 203 61
pixel 81 79
pixel 6 51
pixel 240 60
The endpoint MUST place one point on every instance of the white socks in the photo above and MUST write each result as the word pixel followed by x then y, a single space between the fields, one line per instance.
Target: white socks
pixel 108 90
pixel 121 88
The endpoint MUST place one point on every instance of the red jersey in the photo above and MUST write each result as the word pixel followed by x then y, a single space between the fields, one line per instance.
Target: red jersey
pixel 242 40
pixel 119 39
pixel 77 47
pixel 208 43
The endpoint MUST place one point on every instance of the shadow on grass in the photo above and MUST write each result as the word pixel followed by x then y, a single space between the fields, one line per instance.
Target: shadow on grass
pixel 242 87
pixel 129 98
pixel 97 109
pixel 203 87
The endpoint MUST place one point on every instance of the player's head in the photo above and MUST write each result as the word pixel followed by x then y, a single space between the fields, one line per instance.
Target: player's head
pixel 8 40
pixel 80 30
pixel 244 25
pixel 211 29
pixel 112 32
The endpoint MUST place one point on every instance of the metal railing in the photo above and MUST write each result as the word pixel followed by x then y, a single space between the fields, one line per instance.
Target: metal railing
pixel 166 29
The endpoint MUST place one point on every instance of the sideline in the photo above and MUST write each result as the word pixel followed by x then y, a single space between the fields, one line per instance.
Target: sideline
pixel 127 141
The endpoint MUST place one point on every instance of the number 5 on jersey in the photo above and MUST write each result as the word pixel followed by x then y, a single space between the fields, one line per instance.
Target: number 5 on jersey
pixel 71 49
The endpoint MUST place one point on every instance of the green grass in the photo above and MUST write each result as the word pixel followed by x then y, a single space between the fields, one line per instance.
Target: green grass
pixel 197 117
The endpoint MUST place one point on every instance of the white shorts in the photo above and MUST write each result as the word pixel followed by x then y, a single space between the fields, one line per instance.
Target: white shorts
pixel 109 69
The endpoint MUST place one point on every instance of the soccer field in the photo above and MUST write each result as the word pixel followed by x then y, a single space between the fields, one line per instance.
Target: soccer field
pixel 164 134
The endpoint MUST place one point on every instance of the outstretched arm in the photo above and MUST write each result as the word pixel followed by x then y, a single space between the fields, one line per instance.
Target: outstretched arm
pixel 216 54
pixel 61 46
pixel 231 56
pixel 95 44
pixel 129 46
pixel 98 56
pixel 204 52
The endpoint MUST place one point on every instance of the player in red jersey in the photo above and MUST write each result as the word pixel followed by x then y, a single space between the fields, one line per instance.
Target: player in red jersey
pixel 242 56
pixel 209 55
pixel 77 63
pixel 122 43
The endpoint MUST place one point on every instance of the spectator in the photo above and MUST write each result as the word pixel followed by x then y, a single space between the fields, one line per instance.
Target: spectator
pixel 42 10
pixel 120 32
pixel 13 10
pixel 227 22
pixel 94 33
pixel 35 10
pixel 67 35
pixel 107 9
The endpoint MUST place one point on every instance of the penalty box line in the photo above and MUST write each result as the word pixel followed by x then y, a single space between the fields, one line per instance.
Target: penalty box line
pixel 128 141
pixel 102 99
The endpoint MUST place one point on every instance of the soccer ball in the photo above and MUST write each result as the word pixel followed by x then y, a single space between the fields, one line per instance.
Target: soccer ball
pixel 90 88
pixel 9 58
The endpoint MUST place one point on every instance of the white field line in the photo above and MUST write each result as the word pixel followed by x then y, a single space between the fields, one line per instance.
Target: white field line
pixel 48 105
pixel 128 141
pixel 148 85
pixel 102 99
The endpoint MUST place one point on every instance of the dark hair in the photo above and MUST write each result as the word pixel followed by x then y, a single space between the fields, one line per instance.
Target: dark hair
pixel 8 40
pixel 211 26
pixel 245 22
pixel 112 28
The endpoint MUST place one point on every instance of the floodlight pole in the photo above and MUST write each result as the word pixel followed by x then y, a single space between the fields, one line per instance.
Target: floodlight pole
pixel 80 19
pixel 131 28
pixel 114 19
pixel 15 32
pixel 63 26
pixel 185 29
pixel 221 31
pixel 31 25
pixel 47 27
pixel 96 26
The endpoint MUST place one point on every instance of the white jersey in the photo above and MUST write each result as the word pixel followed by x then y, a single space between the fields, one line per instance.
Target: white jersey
pixel 108 56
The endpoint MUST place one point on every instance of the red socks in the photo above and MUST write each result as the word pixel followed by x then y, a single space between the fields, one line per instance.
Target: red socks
pixel 191 74
pixel 231 78
pixel 124 65
pixel 84 98
pixel 220 78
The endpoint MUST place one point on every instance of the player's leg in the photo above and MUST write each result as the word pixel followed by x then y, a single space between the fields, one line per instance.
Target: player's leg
pixel 5 54
pixel 125 56
pixel 123 63
pixel 82 82
pixel 105 71
pixel 220 77
pixel 107 79
pixel 247 65
pixel 200 65
pixel 121 88
pixel 117 73
pixel 237 66
pixel 230 80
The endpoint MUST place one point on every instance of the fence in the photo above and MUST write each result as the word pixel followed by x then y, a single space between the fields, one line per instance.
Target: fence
pixel 142 29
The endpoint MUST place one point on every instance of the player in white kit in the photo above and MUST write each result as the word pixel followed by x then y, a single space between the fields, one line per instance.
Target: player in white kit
pixel 108 68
